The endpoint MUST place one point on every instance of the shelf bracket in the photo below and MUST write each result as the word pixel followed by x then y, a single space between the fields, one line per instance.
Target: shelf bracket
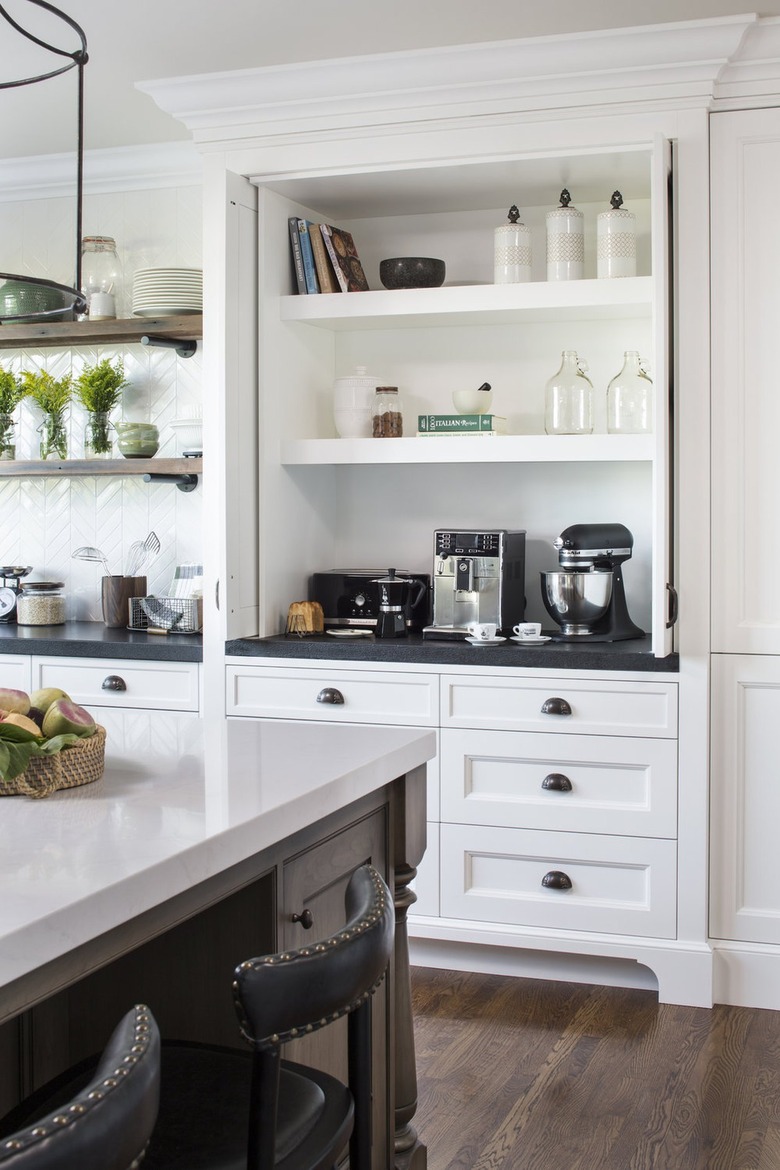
pixel 184 349
pixel 184 482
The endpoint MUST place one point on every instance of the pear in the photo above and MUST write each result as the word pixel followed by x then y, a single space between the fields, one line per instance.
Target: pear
pixel 44 698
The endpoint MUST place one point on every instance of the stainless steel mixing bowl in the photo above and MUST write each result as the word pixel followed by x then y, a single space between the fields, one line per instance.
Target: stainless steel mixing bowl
pixel 576 601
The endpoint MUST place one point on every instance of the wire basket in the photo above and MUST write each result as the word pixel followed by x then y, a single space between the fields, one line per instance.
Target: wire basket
pixel 175 615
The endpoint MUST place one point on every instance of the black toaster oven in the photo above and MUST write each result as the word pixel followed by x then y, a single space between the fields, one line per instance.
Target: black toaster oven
pixel 349 597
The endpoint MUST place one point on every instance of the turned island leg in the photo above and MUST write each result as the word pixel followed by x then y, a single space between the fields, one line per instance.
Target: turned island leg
pixel 409 847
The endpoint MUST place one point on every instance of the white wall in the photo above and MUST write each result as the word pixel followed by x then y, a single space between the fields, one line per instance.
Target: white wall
pixel 43 520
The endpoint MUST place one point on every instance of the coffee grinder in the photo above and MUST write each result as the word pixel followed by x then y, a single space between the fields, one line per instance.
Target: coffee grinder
pixel 587 597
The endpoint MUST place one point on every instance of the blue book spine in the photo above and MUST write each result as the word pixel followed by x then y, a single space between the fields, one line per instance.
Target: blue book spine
pixel 295 244
pixel 310 272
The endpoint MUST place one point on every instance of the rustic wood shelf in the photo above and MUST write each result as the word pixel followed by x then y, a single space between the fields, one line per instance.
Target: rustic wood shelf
pixel 184 327
pixel 124 467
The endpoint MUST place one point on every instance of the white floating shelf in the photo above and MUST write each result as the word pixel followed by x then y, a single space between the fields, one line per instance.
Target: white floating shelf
pixel 470 449
pixel 498 304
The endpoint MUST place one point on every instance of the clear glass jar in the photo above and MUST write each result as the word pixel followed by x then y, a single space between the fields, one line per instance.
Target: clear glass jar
pixel 387 415
pixel 97 435
pixel 630 399
pixel 54 437
pixel 40 603
pixel 101 276
pixel 7 444
pixel 568 398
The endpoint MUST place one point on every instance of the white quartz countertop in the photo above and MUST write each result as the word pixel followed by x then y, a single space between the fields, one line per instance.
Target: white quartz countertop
pixel 181 800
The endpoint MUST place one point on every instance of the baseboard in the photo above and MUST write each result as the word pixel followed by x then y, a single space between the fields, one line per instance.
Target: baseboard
pixel 747 975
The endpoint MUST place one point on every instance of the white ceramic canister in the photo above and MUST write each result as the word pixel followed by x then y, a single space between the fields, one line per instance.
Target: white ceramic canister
pixel 565 241
pixel 353 404
pixel 512 251
pixel 616 240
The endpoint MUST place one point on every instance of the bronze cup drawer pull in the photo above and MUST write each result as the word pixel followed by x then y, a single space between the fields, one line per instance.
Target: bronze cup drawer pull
pixel 330 695
pixel 306 919
pixel 556 706
pixel 556 879
pixel 113 682
pixel 557 782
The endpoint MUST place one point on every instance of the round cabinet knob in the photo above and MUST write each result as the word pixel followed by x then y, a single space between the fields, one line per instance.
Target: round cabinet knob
pixel 330 695
pixel 306 919
pixel 556 706
pixel 557 782
pixel 113 682
pixel 556 879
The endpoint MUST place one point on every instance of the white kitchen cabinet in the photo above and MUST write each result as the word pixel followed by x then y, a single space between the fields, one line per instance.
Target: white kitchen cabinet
pixel 745 402
pixel 15 672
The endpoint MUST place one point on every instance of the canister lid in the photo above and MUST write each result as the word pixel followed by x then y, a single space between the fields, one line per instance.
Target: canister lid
pixel 41 586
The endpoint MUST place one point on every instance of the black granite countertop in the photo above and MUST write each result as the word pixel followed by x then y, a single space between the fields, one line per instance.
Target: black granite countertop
pixel 94 640
pixel 635 655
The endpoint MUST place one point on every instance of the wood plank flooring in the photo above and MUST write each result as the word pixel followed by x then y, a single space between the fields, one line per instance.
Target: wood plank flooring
pixel 523 1074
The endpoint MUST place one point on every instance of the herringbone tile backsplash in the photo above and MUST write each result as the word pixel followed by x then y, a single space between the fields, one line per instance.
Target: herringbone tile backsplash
pixel 43 520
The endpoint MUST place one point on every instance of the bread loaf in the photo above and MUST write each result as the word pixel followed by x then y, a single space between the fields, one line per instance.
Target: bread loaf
pixel 305 617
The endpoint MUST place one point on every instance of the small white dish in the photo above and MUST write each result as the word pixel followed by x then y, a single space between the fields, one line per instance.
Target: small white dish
pixel 350 633
pixel 485 641
pixel 532 641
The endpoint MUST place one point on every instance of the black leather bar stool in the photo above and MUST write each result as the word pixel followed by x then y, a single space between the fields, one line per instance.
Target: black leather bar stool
pixel 91 1118
pixel 224 1109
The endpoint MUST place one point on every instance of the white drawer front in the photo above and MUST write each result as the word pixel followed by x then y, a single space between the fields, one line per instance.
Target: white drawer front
pixel 594 784
pixel 15 672
pixel 609 708
pixel 368 697
pixel 163 686
pixel 619 885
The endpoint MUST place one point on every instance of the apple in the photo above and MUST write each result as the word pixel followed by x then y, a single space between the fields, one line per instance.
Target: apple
pixel 14 701
pixel 64 716
pixel 44 698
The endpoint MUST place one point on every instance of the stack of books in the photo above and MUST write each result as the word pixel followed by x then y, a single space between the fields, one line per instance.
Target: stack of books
pixel 461 424
pixel 325 258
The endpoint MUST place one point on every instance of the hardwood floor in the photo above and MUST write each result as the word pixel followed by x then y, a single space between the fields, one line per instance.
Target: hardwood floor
pixel 522 1074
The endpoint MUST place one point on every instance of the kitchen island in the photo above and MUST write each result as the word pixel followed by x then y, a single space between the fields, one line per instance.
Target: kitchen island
pixel 205 841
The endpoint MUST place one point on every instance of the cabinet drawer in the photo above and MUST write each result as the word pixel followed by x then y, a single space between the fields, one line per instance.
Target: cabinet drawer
pixel 367 697
pixel 619 885
pixel 103 682
pixel 594 784
pixel 585 706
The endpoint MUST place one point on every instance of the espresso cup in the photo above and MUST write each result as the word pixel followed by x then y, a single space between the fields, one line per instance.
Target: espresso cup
pixel 485 631
pixel 527 630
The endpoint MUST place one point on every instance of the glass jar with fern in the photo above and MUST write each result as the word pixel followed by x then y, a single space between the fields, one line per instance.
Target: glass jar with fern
pixel 99 389
pixel 11 394
pixel 52 395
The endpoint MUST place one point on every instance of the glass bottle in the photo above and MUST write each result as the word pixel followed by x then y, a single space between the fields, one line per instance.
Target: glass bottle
pixel 629 398
pixel 388 421
pixel 568 398
pixel 101 276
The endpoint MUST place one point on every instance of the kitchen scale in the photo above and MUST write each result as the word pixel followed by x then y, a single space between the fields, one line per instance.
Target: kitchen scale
pixel 9 594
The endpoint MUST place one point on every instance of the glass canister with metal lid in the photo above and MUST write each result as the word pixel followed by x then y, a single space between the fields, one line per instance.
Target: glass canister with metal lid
pixel 40 603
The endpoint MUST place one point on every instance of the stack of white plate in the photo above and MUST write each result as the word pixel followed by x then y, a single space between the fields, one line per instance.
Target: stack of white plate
pixel 168 291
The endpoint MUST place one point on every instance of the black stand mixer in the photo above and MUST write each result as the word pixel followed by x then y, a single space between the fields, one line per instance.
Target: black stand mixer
pixel 587 597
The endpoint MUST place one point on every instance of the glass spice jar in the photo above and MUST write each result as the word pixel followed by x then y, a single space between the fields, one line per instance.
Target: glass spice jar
pixel 388 421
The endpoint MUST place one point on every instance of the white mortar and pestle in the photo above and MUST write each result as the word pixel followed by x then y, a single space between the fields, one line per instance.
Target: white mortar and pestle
pixel 473 401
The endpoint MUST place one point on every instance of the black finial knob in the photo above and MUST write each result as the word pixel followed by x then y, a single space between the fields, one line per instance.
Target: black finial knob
pixel 565 198
pixel 616 200
pixel 514 214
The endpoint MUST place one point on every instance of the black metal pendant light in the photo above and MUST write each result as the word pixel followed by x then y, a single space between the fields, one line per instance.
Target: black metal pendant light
pixel 31 298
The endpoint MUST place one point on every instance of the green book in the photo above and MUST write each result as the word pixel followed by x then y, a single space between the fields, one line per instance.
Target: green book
pixel 460 424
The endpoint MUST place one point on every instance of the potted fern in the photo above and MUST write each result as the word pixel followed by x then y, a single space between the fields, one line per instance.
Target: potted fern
pixel 11 393
pixel 52 395
pixel 99 389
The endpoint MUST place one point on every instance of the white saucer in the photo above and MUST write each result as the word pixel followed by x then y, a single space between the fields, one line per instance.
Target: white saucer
pixel 350 633
pixel 531 641
pixel 485 641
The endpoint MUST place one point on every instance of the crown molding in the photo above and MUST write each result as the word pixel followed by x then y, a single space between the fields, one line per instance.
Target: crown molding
pixel 667 62
pixel 754 74
pixel 125 168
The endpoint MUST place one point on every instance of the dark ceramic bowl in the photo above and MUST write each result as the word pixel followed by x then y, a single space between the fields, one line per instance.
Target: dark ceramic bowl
pixel 412 272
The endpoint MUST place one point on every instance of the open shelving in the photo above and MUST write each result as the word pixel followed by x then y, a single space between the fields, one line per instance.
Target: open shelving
pixel 51 334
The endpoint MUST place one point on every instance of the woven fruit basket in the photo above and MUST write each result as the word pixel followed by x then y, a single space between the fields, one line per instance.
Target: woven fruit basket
pixel 78 763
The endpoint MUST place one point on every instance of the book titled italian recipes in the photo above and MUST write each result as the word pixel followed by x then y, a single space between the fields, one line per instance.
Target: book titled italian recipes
pixel 346 262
